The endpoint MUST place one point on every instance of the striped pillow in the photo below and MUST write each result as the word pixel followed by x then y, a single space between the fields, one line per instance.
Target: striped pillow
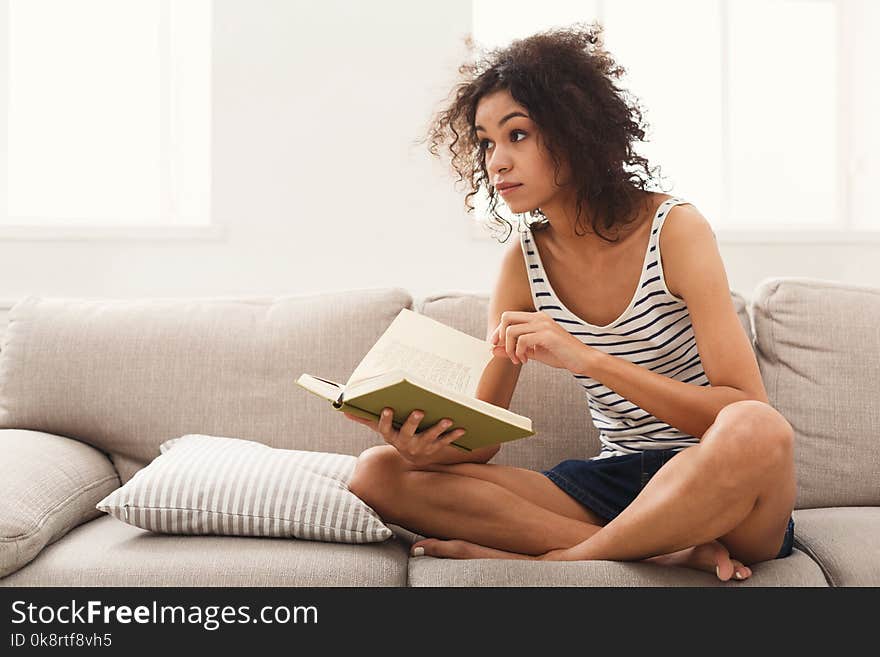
pixel 228 486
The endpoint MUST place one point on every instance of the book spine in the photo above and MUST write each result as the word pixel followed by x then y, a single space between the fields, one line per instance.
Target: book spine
pixel 338 402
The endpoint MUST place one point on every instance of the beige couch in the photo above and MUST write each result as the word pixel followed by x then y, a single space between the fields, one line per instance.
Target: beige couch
pixel 89 388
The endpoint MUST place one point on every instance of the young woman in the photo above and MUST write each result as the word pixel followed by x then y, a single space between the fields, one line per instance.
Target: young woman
pixel 696 468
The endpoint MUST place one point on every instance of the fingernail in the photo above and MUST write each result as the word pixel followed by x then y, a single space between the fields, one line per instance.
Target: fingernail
pixel 738 575
pixel 418 552
pixel 717 572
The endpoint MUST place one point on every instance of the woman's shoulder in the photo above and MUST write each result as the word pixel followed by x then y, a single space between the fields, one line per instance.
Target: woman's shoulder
pixel 687 237
pixel 658 199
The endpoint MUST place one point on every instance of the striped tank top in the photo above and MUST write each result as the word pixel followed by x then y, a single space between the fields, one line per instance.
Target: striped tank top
pixel 654 331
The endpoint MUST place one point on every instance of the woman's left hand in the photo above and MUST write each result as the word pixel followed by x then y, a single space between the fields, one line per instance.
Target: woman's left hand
pixel 525 335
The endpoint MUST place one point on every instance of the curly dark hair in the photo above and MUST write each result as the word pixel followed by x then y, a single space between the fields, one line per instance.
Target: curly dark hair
pixel 562 76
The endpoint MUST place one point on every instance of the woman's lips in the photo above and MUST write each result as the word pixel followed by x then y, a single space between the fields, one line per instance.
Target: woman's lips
pixel 507 190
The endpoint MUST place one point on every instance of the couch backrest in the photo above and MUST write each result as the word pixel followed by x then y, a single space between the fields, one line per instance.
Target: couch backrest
pixel 818 348
pixel 126 375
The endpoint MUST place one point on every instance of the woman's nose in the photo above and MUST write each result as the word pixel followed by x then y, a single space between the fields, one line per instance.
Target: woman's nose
pixel 499 164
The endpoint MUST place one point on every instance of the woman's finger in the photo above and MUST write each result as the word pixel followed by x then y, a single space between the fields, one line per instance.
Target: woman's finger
pixel 453 436
pixel 493 339
pixel 435 432
pixel 512 335
pixel 523 344
pixel 411 425
pixel 386 423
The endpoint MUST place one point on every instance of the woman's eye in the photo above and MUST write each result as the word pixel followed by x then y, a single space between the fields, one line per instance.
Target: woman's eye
pixel 512 132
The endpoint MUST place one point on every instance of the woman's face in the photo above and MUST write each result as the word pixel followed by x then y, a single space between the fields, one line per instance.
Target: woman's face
pixel 514 153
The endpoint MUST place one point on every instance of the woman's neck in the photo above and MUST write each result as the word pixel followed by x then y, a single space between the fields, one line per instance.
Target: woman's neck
pixel 563 238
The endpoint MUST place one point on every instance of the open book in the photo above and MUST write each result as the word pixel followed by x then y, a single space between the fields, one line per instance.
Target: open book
pixel 420 363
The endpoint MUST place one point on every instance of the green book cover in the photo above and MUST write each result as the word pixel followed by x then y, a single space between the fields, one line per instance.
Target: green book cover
pixel 420 363
pixel 485 423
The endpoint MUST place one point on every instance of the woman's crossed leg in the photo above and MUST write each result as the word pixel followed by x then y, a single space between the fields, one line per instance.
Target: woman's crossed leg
pixel 487 510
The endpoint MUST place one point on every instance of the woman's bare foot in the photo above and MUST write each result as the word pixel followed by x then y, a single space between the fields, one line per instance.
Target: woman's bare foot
pixel 460 549
pixel 708 557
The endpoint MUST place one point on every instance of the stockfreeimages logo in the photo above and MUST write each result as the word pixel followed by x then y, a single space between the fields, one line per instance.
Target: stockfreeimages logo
pixel 211 617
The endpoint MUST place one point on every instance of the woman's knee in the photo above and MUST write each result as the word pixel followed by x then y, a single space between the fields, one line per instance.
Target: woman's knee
pixel 750 435
pixel 765 428
pixel 376 473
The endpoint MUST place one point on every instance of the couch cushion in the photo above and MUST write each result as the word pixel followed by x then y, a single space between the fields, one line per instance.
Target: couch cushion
pixel 126 375
pixel 551 397
pixel 818 346
pixel 48 485
pixel 107 552
pixel 844 541
pixel 795 570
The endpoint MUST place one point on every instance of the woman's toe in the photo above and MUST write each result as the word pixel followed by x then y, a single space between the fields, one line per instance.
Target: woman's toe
pixel 741 571
pixel 423 547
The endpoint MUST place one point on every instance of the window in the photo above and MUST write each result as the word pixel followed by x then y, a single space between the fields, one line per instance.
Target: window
pixel 107 105
pixel 760 112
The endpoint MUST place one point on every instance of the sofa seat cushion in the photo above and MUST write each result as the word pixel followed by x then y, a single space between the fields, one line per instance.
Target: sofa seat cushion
pixel 798 569
pixel 795 570
pixel 107 552
pixel 844 541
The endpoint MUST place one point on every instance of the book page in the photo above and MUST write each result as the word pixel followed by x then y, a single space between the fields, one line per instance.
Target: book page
pixel 427 348
pixel 394 354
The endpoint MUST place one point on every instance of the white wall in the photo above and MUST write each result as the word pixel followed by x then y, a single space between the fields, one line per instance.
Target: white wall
pixel 317 178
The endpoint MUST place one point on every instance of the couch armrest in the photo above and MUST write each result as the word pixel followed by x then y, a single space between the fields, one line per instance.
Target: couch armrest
pixel 48 485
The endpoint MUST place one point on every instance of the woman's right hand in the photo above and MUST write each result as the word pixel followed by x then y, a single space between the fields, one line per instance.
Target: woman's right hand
pixel 419 448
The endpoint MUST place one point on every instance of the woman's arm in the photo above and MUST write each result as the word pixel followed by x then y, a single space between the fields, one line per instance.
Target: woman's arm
pixel 694 271
pixel 688 407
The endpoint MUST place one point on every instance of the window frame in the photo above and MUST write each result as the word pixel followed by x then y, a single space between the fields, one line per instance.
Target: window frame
pixel 844 230
pixel 169 226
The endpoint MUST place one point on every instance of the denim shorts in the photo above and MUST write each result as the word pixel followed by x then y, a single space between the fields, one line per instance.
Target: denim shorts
pixel 607 486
